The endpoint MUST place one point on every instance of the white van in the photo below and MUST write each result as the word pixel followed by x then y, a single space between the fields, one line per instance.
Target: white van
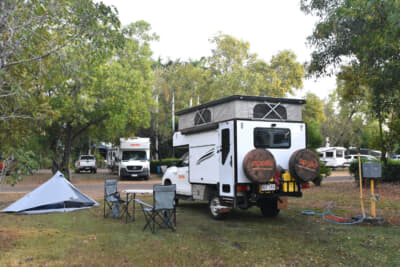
pixel 242 151
pixel 131 158
pixel 351 158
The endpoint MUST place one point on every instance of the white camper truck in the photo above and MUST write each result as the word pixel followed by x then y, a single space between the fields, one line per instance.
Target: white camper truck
pixel 131 158
pixel 242 151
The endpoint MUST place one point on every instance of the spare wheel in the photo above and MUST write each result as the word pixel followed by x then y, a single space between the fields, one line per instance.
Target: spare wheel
pixel 259 165
pixel 304 165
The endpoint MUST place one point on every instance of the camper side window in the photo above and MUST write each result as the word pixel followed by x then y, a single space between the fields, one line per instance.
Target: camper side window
pixel 271 111
pixel 202 116
pixel 271 138
pixel 184 161
pixel 329 154
pixel 225 144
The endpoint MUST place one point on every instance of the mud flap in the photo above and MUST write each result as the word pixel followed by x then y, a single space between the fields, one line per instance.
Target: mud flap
pixel 283 203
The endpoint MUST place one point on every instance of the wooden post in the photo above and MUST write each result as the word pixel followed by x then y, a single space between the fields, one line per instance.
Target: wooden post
pixel 361 193
pixel 373 214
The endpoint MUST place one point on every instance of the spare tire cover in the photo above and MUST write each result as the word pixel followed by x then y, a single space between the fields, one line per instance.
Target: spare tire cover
pixel 259 165
pixel 304 165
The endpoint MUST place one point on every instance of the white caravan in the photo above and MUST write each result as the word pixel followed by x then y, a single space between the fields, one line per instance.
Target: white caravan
pixel 131 158
pixel 242 151
pixel 333 157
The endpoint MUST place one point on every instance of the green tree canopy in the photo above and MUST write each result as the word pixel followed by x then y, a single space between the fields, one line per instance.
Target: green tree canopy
pixel 365 35
pixel 231 69
pixel 110 92
pixel 237 71
pixel 313 109
pixel 40 42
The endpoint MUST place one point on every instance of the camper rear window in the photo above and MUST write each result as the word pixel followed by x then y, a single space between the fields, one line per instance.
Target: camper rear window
pixel 87 157
pixel 271 138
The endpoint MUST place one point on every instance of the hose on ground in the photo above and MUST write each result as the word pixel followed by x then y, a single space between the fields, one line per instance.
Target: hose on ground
pixel 332 218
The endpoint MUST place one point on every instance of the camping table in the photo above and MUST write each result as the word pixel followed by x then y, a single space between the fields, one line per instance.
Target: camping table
pixel 131 195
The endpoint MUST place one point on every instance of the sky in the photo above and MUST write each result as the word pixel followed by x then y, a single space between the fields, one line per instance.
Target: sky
pixel 186 26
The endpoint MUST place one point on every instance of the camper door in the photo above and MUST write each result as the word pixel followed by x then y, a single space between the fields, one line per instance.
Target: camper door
pixel 226 159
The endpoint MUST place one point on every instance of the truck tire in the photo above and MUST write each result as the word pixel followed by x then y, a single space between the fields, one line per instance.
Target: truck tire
pixel 213 210
pixel 269 207
pixel 259 165
pixel 304 165
pixel 146 178
pixel 94 170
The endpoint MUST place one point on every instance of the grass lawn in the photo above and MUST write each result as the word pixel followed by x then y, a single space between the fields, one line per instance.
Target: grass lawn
pixel 245 238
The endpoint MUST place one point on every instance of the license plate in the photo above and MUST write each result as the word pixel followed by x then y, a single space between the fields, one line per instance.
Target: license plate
pixel 268 187
pixel 133 175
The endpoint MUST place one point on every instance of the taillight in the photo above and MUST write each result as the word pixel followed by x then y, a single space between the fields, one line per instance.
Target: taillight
pixel 243 188
pixel 307 185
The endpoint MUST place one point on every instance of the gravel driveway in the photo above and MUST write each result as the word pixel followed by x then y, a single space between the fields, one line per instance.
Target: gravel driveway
pixel 90 184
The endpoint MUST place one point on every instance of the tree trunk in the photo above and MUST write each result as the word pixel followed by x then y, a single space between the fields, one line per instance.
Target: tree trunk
pixel 56 163
pixel 344 129
pixel 382 141
pixel 69 137
pixel 67 152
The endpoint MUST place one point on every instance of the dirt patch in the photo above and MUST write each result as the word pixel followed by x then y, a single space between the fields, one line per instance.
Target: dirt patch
pixel 6 198
pixel 42 176
pixel 7 238
pixel 389 191
pixel 340 172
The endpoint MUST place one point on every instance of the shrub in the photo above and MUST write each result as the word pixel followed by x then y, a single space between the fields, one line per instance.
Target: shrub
pixel 390 172
pixel 323 172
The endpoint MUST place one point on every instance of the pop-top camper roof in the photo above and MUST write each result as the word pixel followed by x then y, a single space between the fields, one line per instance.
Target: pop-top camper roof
pixel 240 107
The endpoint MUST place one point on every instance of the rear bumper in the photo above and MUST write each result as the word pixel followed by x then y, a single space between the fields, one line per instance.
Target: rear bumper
pixel 86 168
pixel 248 199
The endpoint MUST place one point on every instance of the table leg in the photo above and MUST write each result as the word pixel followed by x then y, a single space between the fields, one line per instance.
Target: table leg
pixel 127 208
pixel 134 207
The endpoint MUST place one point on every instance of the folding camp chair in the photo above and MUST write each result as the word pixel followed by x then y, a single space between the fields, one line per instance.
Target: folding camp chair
pixel 163 212
pixel 114 202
